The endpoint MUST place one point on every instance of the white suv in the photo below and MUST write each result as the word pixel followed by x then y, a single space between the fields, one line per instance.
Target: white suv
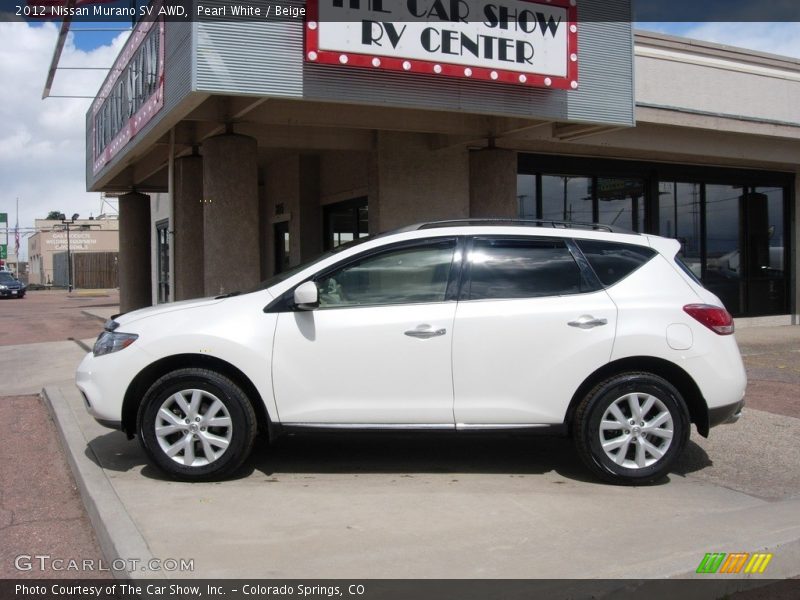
pixel 456 326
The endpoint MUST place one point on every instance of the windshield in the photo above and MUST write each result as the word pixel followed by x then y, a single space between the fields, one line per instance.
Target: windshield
pixel 284 275
pixel 6 277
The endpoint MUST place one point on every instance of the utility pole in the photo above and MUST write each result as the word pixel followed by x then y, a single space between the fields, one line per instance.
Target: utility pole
pixel 67 223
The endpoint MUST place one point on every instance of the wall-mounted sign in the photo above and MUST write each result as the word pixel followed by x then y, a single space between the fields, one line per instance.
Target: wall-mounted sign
pixel 510 41
pixel 132 93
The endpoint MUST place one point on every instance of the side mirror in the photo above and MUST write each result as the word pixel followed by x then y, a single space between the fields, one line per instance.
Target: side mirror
pixel 306 296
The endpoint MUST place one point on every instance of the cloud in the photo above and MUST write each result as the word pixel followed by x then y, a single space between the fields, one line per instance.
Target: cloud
pixel 774 38
pixel 42 142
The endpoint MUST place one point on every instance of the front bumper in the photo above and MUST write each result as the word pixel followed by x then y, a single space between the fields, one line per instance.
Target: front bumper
pixel 104 380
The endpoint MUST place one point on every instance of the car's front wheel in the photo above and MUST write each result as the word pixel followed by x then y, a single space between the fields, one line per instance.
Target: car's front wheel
pixel 196 425
pixel 630 428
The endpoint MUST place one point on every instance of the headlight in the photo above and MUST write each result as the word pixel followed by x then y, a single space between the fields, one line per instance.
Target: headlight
pixel 111 341
pixel 3 287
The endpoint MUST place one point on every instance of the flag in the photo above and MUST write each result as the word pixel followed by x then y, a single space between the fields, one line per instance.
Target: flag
pixel 16 240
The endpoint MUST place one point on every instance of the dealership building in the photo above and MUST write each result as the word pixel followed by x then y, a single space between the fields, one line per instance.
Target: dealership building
pixel 240 147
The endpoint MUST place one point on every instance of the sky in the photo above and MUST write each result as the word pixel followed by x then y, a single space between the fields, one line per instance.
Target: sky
pixel 42 142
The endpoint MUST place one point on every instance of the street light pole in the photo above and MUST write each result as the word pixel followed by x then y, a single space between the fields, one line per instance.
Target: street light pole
pixel 67 223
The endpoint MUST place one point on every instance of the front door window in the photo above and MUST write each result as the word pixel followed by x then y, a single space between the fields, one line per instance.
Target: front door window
pixel 414 275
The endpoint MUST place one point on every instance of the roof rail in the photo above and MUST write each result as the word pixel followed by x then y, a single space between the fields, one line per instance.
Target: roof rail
pixel 525 223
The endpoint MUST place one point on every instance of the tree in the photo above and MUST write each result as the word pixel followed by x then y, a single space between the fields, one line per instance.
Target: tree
pixel 54 215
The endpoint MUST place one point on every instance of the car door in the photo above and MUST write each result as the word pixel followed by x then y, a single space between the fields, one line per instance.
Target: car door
pixel 378 348
pixel 531 324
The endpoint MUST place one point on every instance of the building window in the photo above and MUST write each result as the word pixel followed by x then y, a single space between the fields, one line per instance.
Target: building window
pixel 679 213
pixel 732 224
pixel 620 201
pixel 567 198
pixel 345 222
pixel 162 257
pixel 280 232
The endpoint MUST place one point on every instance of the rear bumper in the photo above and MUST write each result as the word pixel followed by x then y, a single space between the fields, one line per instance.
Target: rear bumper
pixel 723 415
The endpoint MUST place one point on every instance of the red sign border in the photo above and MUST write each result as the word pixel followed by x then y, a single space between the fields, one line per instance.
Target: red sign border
pixel 313 55
pixel 147 111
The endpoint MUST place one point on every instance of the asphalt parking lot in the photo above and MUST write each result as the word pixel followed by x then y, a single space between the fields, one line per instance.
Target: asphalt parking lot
pixel 455 507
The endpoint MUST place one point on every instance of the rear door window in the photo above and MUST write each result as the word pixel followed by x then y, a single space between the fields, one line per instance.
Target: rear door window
pixel 503 268
pixel 613 261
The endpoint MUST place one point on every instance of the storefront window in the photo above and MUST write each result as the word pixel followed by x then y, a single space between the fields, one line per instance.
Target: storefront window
pixel 567 198
pixel 526 196
pixel 619 201
pixel 679 217
pixel 723 256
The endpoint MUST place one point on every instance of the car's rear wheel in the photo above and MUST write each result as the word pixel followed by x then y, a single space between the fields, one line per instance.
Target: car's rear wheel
pixel 631 428
pixel 196 425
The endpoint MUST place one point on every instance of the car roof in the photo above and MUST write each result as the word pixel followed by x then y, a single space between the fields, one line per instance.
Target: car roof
pixel 510 227
pixel 511 222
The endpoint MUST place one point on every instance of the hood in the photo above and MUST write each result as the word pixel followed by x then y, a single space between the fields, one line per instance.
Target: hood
pixel 161 309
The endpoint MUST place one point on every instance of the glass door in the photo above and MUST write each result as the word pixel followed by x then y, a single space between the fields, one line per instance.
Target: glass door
pixel 162 253
pixel 281 237
pixel 764 250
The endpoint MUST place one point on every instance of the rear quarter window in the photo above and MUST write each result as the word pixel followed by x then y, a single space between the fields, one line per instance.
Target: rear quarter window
pixel 613 261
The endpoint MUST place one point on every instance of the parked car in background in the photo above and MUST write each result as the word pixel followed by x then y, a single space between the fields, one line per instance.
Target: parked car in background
pixel 512 326
pixel 10 286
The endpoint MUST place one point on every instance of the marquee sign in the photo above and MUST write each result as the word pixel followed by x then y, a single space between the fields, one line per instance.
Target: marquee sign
pixel 530 42
pixel 132 93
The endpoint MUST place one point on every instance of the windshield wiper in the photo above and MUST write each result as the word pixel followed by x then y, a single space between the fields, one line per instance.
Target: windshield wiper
pixel 228 295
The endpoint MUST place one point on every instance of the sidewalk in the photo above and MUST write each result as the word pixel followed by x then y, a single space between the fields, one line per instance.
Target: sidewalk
pixel 389 506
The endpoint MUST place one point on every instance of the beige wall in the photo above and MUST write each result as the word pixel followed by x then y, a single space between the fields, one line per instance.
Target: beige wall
pixel 695 76
pixel 343 176
pixel 411 182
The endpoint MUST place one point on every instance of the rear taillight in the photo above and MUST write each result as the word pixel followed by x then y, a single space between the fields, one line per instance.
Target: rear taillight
pixel 716 318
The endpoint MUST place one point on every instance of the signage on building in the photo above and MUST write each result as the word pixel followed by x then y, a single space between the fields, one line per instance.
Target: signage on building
pixel 530 42
pixel 77 241
pixel 132 93
pixel 618 189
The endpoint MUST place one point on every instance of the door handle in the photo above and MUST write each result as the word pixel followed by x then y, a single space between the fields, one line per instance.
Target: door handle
pixel 425 331
pixel 587 322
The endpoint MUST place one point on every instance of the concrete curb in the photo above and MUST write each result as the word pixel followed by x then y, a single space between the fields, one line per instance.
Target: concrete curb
pixel 89 313
pixel 117 534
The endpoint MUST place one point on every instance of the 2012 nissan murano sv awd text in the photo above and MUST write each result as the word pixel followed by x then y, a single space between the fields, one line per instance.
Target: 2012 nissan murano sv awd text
pixel 459 326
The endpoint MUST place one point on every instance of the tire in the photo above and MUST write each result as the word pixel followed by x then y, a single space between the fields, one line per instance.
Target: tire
pixel 211 430
pixel 633 454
